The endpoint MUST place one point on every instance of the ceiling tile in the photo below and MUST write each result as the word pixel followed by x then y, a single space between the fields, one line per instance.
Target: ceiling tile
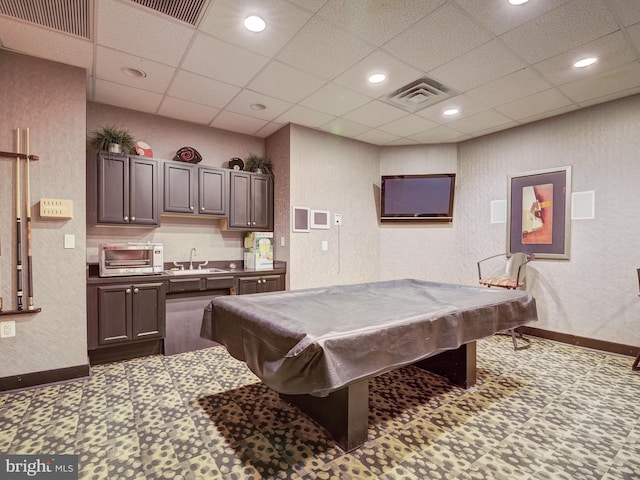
pixel 304 116
pixel 612 51
pixel 192 87
pixel 377 21
pixel 44 43
pixel 187 111
pixel 269 129
pixel 406 126
pixel 228 63
pixel 224 19
pixel 284 82
pixel 398 75
pixel 375 113
pixel 246 98
pixel 334 99
pixel 432 41
pixel 333 49
pixel 568 26
pixel 607 83
pixel 510 87
pixel 487 62
pixel 441 134
pixel 634 33
pixel 109 65
pixel 377 137
pixel 467 106
pixel 500 16
pixel 612 96
pixel 343 127
pixel 235 122
pixel 627 10
pixel 141 33
pixel 480 122
pixel 536 104
pixel 126 97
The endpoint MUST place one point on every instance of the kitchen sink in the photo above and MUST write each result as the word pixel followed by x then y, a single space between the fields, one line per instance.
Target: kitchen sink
pixel 195 271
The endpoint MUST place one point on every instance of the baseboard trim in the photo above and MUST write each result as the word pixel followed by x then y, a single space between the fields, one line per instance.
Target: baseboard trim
pixel 609 347
pixel 27 380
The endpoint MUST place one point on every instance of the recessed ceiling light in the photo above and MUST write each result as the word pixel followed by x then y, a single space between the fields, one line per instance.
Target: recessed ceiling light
pixel 377 78
pixel 253 23
pixel 133 72
pixel 517 2
pixel 257 106
pixel 585 62
pixel 451 111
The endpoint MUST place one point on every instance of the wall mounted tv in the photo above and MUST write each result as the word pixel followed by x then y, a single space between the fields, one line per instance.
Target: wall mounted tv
pixel 426 198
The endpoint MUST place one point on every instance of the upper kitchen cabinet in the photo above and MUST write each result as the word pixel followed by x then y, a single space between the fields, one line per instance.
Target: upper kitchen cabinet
pixel 250 202
pixel 194 190
pixel 127 190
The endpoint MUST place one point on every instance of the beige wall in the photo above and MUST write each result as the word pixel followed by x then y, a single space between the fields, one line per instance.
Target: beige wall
pixel 50 100
pixel 339 175
pixel 594 294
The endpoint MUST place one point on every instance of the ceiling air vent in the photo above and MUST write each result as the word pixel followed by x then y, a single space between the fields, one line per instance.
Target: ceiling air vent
pixel 68 16
pixel 420 94
pixel 184 10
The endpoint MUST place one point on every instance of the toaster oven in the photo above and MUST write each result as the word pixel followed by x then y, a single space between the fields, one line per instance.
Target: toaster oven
pixel 124 259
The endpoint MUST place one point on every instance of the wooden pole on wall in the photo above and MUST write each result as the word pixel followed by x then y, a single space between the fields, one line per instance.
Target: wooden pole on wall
pixel 28 207
pixel 18 225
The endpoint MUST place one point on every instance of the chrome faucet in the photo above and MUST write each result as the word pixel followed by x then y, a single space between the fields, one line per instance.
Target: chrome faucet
pixel 203 264
pixel 193 252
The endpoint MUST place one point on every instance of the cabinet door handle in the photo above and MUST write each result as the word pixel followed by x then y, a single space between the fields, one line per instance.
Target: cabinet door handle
pixel 128 290
pixel 133 219
pixel 126 219
pixel 191 207
pixel 253 223
pixel 136 290
pixel 202 209
pixel 249 223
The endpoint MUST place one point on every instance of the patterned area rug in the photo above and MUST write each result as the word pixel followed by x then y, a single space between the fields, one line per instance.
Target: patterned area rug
pixel 548 412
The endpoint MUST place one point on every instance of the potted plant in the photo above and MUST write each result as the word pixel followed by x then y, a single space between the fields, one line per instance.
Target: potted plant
pixel 258 164
pixel 112 139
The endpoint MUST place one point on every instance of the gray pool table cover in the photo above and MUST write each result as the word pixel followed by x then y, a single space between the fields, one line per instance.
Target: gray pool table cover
pixel 316 341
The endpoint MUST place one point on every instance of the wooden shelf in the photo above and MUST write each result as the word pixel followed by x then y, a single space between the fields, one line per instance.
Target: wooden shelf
pixel 19 312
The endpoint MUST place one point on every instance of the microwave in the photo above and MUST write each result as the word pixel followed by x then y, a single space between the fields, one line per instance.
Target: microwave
pixel 124 259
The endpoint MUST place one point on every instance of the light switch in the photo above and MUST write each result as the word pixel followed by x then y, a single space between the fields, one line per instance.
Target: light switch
pixel 69 240
pixel 325 245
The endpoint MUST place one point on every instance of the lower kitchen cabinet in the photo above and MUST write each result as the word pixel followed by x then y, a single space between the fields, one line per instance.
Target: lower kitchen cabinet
pixel 260 284
pixel 129 312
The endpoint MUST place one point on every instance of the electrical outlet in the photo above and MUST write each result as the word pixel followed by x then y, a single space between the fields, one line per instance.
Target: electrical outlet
pixel 8 329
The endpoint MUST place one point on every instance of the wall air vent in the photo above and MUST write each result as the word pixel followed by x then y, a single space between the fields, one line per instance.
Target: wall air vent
pixel 67 16
pixel 420 94
pixel 184 10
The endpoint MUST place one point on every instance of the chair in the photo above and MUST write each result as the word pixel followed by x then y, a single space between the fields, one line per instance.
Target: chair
pixel 506 271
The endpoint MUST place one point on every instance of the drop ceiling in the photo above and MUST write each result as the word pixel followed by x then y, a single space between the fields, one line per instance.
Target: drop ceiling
pixel 500 65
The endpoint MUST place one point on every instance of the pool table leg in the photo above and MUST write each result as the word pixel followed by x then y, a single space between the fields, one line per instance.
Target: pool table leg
pixel 458 366
pixel 344 413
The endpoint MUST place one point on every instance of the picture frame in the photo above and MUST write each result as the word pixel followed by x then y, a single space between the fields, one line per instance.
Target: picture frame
pixel 320 219
pixel 539 213
pixel 300 219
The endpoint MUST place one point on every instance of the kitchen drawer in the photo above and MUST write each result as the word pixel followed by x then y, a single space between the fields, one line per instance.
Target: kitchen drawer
pixel 184 285
pixel 215 283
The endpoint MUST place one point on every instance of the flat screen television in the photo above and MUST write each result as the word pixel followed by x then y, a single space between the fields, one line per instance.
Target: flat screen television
pixel 427 198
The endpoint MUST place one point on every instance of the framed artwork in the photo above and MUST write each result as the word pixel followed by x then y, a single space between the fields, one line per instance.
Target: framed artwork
pixel 300 219
pixel 320 219
pixel 539 213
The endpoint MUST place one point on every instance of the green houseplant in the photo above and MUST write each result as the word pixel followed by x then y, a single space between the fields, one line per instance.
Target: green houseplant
pixel 112 139
pixel 258 163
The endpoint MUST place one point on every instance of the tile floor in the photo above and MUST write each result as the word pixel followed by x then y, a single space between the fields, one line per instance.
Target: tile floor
pixel 549 412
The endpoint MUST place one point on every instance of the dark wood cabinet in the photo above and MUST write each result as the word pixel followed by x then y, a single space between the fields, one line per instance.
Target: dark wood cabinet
pixel 128 313
pixel 194 190
pixel 250 202
pixel 260 284
pixel 127 190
